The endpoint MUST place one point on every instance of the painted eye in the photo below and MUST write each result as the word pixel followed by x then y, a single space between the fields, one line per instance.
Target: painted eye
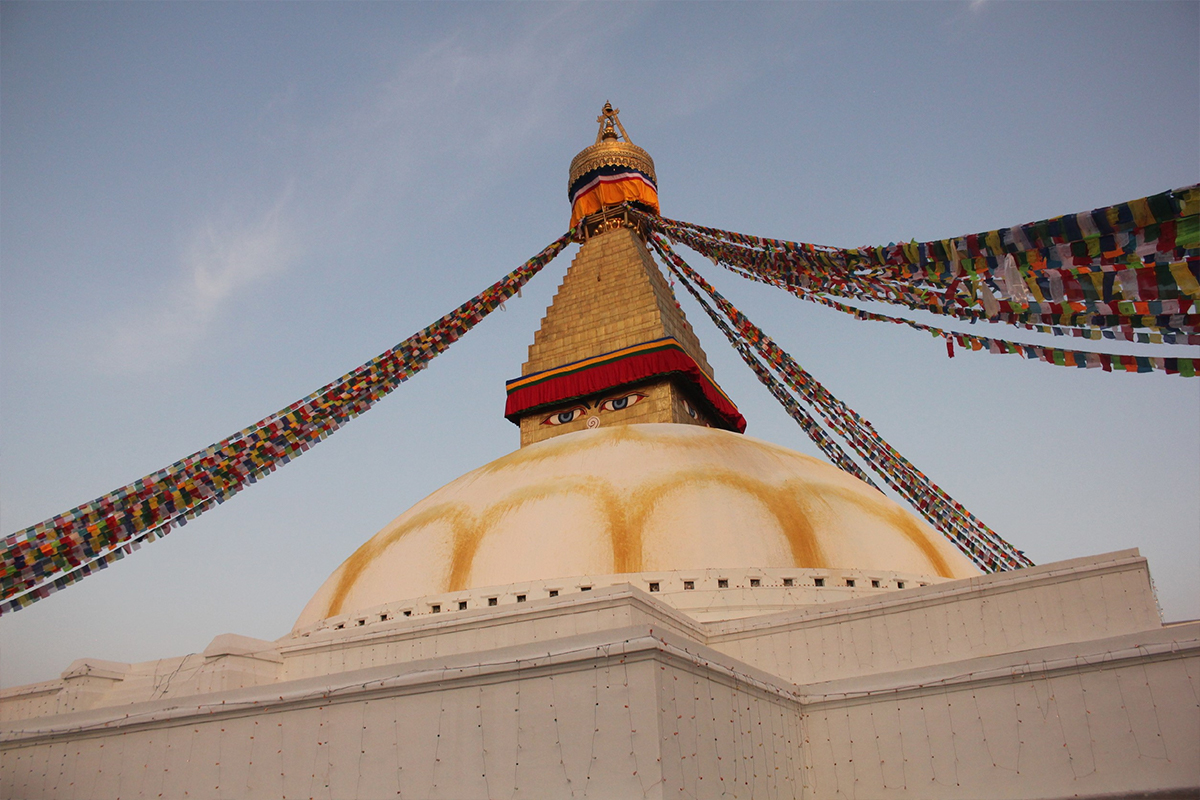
pixel 691 411
pixel 622 402
pixel 563 417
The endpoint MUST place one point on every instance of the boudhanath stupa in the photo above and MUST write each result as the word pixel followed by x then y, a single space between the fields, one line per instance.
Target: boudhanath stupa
pixel 643 601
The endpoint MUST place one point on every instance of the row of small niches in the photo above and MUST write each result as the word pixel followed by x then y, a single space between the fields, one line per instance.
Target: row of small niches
pixel 849 583
pixel 653 586
pixel 437 608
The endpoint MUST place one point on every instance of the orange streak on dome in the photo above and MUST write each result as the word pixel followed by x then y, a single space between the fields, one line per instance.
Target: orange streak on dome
pixel 788 508
pixel 626 542
pixel 352 568
pixel 905 522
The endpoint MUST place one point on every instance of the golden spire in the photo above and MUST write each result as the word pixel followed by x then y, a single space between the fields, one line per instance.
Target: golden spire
pixel 614 347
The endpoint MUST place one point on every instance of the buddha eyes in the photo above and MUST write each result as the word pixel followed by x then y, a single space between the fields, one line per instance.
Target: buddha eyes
pixel 622 402
pixel 694 415
pixel 611 404
pixel 563 417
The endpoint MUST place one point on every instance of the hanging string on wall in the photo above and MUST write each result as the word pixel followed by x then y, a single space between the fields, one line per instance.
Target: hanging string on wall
pixel 1129 272
pixel 66 548
pixel 975 539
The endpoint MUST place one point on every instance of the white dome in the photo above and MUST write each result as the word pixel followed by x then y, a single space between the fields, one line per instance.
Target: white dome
pixel 634 498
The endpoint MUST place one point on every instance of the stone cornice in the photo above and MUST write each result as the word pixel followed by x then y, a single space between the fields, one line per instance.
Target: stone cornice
pixel 932 595
pixel 624 645
pixel 1040 663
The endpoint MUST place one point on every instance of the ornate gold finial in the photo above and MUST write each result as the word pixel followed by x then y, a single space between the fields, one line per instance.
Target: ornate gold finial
pixel 610 150
pixel 609 174
pixel 608 117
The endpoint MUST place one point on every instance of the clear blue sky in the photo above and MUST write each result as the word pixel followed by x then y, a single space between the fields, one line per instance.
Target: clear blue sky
pixel 209 210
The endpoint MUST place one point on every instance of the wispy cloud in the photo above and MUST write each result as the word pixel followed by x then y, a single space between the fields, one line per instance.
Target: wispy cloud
pixel 463 109
pixel 457 103
pixel 222 259
pixel 964 18
pixel 475 97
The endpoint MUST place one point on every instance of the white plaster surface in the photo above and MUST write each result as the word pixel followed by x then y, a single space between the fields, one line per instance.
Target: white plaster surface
pixel 1055 681
pixel 634 498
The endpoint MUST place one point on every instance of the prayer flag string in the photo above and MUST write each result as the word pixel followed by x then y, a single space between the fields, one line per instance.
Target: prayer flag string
pixel 975 539
pixel 1170 317
pixel 1129 272
pixel 1081 359
pixel 66 548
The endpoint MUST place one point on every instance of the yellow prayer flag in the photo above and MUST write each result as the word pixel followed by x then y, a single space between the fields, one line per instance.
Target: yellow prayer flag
pixel 1183 278
pixel 1141 212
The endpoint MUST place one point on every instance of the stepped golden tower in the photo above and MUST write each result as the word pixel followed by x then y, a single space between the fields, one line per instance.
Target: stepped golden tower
pixel 614 348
